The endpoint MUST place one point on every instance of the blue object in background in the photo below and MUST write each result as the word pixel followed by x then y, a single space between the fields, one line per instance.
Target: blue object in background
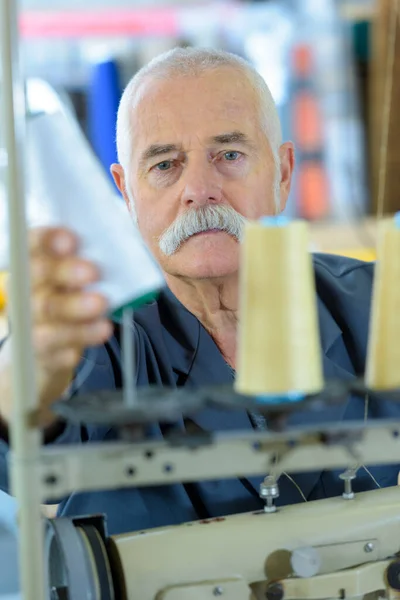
pixel 102 105
pixel 9 565
pixel 9 571
pixel 362 40
pixel 8 512
pixel 275 221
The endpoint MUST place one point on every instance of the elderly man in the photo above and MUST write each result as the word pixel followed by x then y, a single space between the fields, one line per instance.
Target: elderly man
pixel 200 150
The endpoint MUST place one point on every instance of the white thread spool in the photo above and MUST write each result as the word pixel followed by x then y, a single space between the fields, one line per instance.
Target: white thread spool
pixel 65 179
pixel 383 356
pixel 279 343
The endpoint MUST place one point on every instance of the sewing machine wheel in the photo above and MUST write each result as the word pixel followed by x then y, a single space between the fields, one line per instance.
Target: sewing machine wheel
pixel 152 404
pixel 77 561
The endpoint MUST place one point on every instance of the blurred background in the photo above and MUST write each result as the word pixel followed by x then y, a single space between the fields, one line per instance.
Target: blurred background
pixel 328 64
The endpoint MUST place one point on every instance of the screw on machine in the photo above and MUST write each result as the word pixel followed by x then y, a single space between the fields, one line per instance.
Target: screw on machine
pixel 269 491
pixel 348 477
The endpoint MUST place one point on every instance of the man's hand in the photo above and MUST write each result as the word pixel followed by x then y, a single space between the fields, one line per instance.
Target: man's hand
pixel 66 319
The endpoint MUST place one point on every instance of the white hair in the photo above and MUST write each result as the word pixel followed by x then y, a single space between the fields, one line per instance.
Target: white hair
pixel 183 62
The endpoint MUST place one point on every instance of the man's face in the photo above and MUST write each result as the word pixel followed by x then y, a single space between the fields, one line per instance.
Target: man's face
pixel 197 142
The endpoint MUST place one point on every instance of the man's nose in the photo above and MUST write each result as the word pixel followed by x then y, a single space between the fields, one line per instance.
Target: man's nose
pixel 202 184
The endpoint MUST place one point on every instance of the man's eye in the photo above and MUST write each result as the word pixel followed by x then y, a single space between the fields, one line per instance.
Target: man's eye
pixel 231 155
pixel 164 165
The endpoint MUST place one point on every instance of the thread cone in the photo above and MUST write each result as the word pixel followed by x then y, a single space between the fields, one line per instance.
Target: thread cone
pixel 383 356
pixel 278 343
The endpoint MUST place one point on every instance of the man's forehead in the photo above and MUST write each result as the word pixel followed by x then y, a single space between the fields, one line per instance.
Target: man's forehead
pixel 220 78
pixel 183 115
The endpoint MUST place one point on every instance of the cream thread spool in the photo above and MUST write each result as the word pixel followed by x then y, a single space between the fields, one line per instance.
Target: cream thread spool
pixel 278 340
pixel 383 356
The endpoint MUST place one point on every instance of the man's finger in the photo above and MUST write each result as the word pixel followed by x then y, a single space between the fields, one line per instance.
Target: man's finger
pixel 50 338
pixel 56 241
pixel 71 273
pixel 66 358
pixel 76 307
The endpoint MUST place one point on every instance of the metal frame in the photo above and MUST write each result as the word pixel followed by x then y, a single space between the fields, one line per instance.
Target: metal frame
pixel 26 441
pixel 111 465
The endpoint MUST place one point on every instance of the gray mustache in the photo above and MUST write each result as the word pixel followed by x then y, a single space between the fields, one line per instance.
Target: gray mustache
pixel 223 218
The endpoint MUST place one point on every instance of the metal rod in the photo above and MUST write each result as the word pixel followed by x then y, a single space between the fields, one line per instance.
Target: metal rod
pixel 25 441
pixel 128 358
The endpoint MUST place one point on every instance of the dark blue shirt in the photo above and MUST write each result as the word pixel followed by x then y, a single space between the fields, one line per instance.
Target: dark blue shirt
pixel 172 348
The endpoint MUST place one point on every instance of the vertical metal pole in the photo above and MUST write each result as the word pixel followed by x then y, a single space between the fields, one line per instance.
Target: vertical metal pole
pixel 25 440
pixel 128 358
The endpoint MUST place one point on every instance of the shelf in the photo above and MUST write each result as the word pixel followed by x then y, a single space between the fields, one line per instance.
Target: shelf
pixel 358 11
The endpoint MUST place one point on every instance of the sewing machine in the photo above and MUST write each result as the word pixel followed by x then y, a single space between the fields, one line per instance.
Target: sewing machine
pixel 342 548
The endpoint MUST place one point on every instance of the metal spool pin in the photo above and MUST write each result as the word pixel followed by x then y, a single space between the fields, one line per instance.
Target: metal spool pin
pixel 128 358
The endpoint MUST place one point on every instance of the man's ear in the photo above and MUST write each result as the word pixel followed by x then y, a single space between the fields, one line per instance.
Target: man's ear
pixel 287 164
pixel 119 177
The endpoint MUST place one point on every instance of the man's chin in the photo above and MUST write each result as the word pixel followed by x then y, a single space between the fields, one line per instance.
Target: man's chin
pixel 207 273
pixel 203 265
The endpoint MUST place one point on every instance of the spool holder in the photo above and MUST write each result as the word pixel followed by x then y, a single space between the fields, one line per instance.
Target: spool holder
pixel 168 405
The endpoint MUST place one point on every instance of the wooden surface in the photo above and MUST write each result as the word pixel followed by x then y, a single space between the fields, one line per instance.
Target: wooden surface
pixel 355 239
pixel 384 93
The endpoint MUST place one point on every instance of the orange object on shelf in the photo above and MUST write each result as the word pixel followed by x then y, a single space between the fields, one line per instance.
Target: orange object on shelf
pixel 303 61
pixel 307 122
pixel 313 191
